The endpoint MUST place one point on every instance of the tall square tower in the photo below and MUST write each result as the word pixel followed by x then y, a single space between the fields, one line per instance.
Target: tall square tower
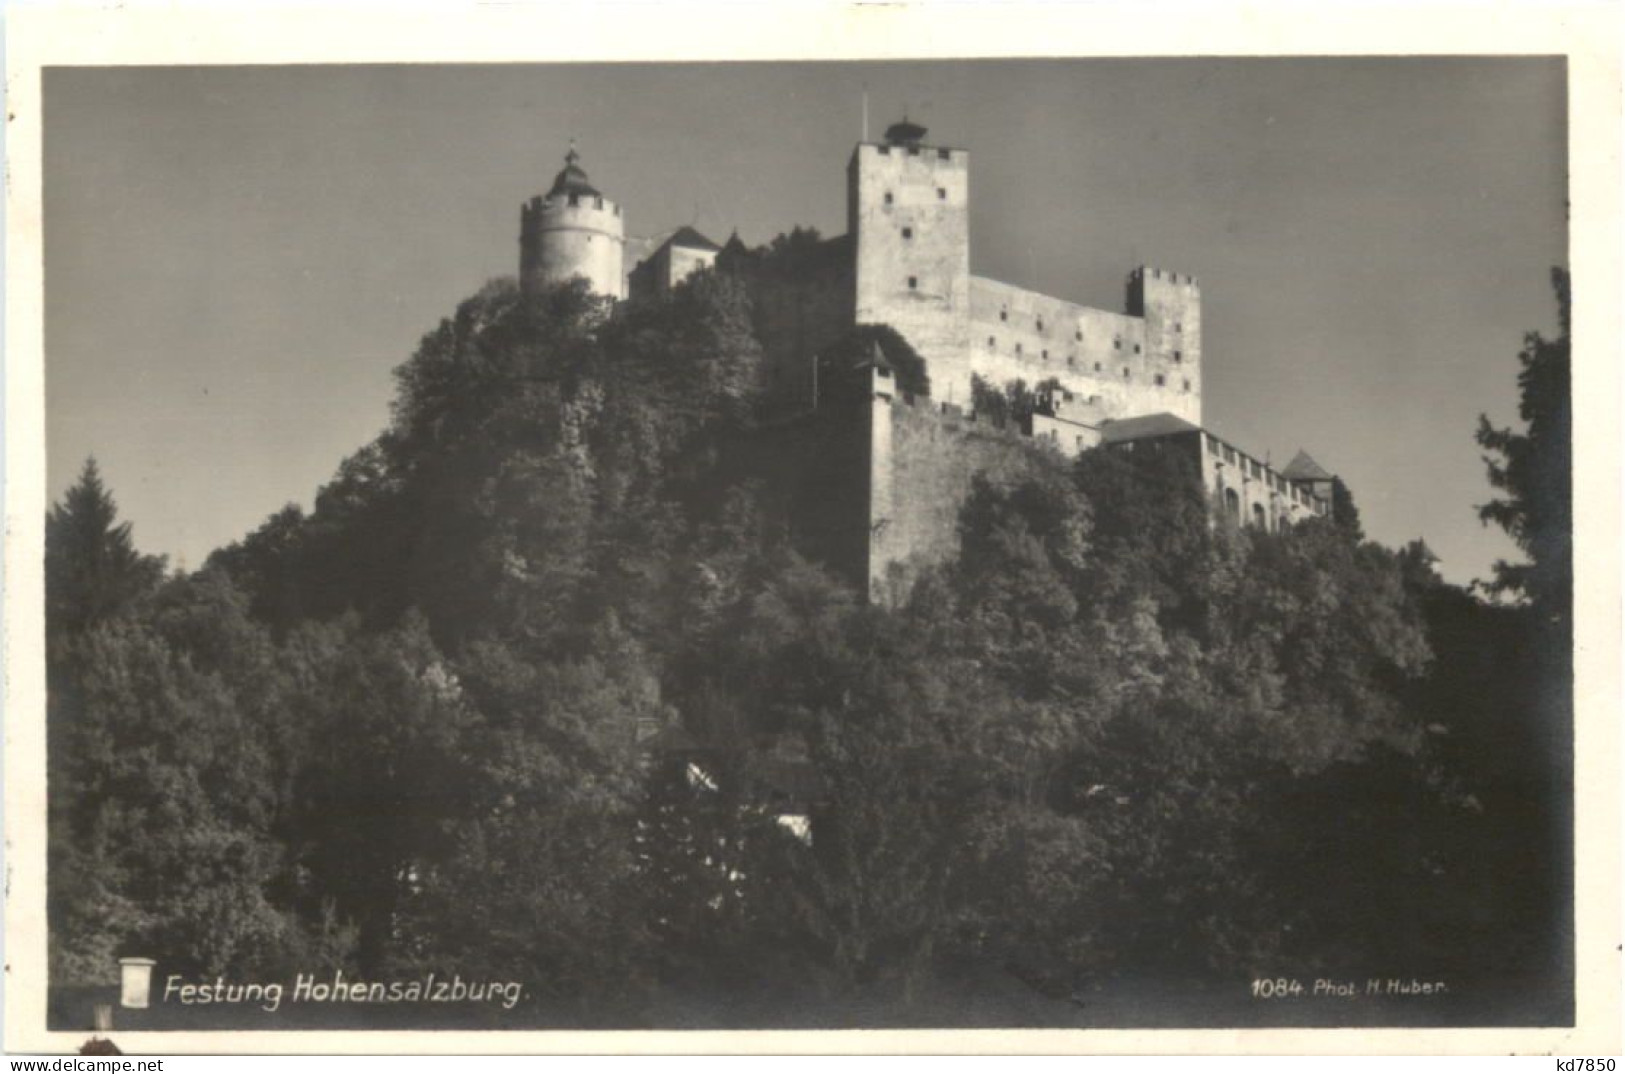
pixel 908 214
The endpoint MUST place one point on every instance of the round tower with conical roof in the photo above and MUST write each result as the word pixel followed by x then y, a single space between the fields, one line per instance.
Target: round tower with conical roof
pixel 572 230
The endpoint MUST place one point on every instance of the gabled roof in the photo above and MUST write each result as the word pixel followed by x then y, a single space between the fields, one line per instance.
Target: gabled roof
pixel 1303 468
pixel 688 238
pixel 1145 427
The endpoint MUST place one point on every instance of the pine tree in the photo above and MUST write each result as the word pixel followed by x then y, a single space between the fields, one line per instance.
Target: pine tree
pixel 1533 468
pixel 93 571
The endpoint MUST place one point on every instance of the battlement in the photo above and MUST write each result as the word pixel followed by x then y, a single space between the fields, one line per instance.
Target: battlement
pixel 1143 272
pixel 1129 363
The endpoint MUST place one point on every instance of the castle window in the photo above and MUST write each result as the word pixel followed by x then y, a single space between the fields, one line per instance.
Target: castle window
pixel 942 193
pixel 1018 348
pixel 1117 344
pixel 885 150
pixel 1125 372
pixel 908 233
pixel 913 150
pixel 1045 356
pixel 1136 348
pixel 888 197
pixel 1097 367
pixel 913 282
pixel 1040 324
pixel 1179 326
pixel 575 199
pixel 1187 384
pixel 599 203
pixel 1178 357
pixel 1161 380
pixel 1071 360
pixel 942 154
pixel 1004 315
pixel 1078 335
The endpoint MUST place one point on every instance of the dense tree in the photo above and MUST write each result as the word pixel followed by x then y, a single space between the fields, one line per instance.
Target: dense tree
pixel 1164 683
pixel 1345 514
pixel 1529 748
pixel 163 789
pixel 92 568
pixel 379 799
pixel 1534 468
pixel 857 349
pixel 1015 403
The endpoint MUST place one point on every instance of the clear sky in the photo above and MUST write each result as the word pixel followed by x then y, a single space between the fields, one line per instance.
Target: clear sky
pixel 237 258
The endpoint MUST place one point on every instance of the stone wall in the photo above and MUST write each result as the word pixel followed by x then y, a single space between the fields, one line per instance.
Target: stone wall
pixel 815 471
pixel 798 310
pixel 667 267
pixel 1243 489
pixel 873 482
pixel 926 461
pixel 1251 492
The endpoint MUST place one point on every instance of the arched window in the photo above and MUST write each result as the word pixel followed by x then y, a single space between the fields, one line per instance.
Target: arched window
pixel 1260 519
pixel 1232 505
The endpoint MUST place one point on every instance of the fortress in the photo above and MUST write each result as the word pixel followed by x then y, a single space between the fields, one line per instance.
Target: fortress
pixel 873 483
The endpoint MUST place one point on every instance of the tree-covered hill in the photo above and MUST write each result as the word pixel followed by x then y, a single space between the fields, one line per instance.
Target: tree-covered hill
pixel 530 690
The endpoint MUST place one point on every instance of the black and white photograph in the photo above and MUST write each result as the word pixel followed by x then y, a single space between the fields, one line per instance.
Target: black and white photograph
pixel 968 542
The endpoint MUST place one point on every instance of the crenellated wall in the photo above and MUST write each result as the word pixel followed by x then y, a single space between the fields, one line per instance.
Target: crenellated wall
pixel 1129 364
pixel 565 235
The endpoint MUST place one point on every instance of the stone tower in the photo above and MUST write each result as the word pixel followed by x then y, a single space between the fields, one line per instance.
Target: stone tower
pixel 1171 305
pixel 908 214
pixel 572 230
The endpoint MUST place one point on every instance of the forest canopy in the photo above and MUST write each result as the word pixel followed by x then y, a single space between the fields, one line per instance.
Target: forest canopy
pixel 536 685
